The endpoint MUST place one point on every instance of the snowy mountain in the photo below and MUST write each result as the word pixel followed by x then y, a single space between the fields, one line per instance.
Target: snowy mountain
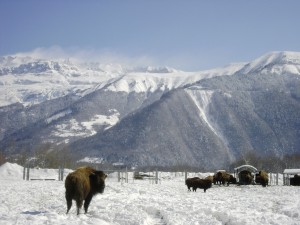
pixel 152 116
pixel 29 81
pixel 276 63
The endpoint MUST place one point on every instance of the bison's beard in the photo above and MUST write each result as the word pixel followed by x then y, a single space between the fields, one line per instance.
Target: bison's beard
pixel 100 189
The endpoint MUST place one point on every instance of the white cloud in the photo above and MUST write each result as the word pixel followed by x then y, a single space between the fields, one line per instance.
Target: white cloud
pixel 104 56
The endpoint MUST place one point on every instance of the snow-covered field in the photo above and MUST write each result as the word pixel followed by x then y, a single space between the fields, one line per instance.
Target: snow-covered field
pixel 143 202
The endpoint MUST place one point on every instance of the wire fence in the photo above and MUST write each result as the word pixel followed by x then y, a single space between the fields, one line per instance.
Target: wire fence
pixel 126 176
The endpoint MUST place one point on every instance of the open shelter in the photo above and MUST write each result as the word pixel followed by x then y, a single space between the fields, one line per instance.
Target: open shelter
pixel 244 174
pixel 289 174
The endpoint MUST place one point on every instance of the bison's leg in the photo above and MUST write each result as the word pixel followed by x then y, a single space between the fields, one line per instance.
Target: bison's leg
pixel 223 182
pixel 69 202
pixel 79 202
pixel 204 190
pixel 87 202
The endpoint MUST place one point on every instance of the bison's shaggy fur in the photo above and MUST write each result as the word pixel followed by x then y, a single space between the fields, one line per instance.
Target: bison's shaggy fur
pixel 211 178
pixel 202 184
pixel 262 178
pixel 190 182
pixel 223 177
pixel 246 177
pixel 196 182
pixel 82 184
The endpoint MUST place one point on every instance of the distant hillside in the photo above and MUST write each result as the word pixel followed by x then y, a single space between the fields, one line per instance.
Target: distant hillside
pixel 152 116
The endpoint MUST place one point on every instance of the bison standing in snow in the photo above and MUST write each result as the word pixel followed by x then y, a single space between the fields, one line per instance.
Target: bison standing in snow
pixel 262 178
pixel 202 184
pixel 82 184
pixel 224 177
pixel 196 182
pixel 190 182
pixel 246 177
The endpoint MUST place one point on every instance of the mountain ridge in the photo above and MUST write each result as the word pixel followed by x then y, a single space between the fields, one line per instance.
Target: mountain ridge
pixel 159 116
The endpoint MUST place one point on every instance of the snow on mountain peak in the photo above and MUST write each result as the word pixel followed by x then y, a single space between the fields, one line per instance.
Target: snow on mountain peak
pixel 275 62
pixel 29 80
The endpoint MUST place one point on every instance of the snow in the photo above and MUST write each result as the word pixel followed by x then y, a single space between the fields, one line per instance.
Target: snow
pixel 291 171
pixel 73 128
pixel 143 202
pixel 91 160
pixel 275 62
pixel 58 115
pixel 29 81
pixel 202 100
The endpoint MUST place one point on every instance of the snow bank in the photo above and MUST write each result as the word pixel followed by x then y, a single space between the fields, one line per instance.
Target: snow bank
pixel 11 171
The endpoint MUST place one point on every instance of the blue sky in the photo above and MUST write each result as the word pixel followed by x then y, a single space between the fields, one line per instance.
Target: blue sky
pixel 189 35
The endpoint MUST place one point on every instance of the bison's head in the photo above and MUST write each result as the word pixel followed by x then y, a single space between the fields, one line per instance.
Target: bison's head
pixel 219 175
pixel 97 179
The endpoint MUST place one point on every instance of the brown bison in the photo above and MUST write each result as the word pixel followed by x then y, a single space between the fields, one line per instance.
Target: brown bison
pixel 223 177
pixel 196 182
pixel 262 178
pixel 82 184
pixel 211 178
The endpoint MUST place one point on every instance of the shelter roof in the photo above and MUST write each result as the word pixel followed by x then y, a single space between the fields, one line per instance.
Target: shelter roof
pixel 291 171
pixel 245 167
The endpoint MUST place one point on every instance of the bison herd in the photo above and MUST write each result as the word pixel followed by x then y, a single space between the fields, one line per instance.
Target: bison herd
pixel 222 177
pixel 85 182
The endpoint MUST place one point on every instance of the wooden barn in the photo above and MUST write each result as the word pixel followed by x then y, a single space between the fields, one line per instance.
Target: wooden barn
pixel 291 177
pixel 245 174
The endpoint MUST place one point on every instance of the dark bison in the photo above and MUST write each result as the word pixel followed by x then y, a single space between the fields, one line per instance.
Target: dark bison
pixel 82 184
pixel 190 182
pixel 295 181
pixel 196 182
pixel 262 178
pixel 245 177
pixel 217 179
pixel 223 177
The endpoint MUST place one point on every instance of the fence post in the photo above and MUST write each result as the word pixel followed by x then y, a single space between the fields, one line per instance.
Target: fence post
pixel 27 175
pixel 59 173
pixel 62 173
pixel 24 173
pixel 156 177
pixel 126 176
pixel 185 175
pixel 277 176
pixel 119 176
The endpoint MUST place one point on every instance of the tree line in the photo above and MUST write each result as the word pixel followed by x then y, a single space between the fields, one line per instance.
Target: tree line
pixel 49 155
